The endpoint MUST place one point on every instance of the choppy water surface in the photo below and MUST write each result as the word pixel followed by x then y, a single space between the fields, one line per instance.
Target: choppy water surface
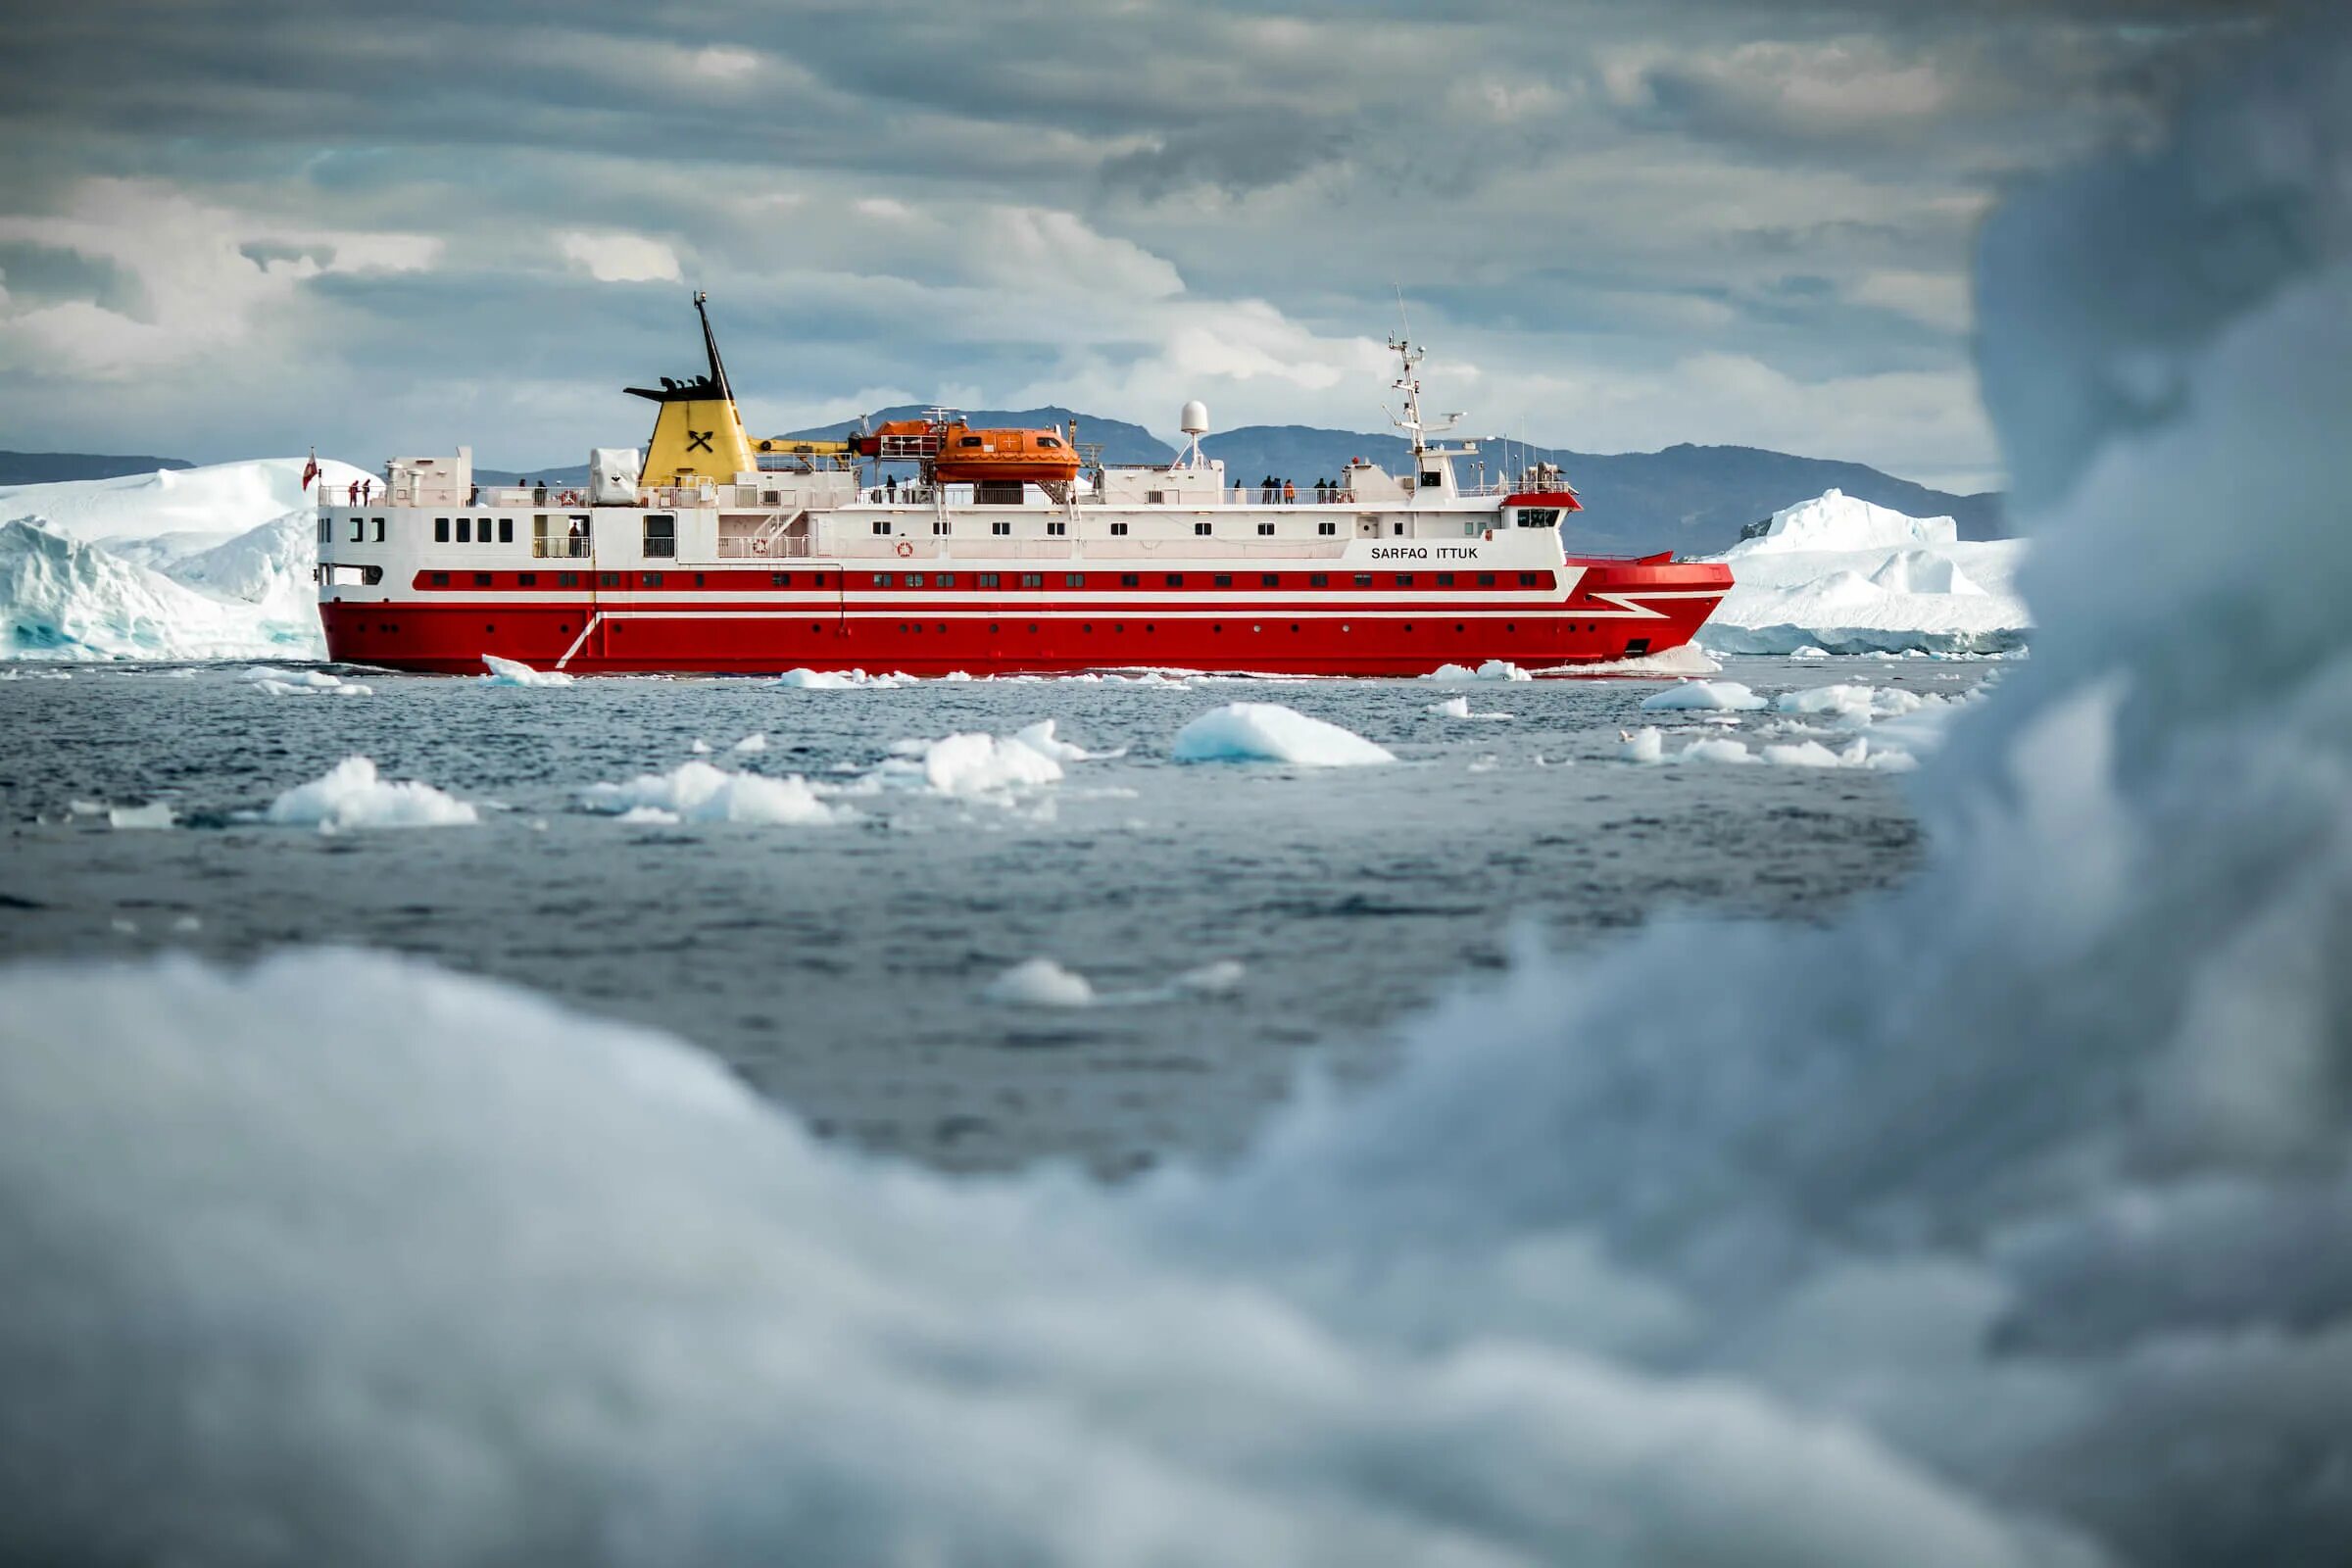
pixel 843 969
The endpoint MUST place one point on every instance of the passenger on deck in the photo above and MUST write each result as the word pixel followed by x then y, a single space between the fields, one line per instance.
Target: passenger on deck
pixel 350 496
pixel 1289 492
pixel 892 486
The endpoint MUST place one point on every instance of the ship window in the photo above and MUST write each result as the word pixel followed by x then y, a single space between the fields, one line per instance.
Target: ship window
pixel 1431 479
pixel 969 441
pixel 568 580
pixel 939 525
pixel 881 525
pixel 1175 579
pixel 660 534
pixel 1118 527
pixel 1486 580
pixel 1001 527
pixel 1222 581
pixel 506 530
pixel 1318 580
pixel 371 575
pixel 465 530
pixel 323 528
pixel 1397 527
pixel 1201 527
pixel 359 530
pixel 914 579
pixel 650 579
pixel 440 579
pixel 1058 529
pixel 526 579
pixel 1075 579
pixel 1327 527
pixel 881 579
pixel 1128 579
pixel 607 579
pixel 1539 517
pixel 1269 579
pixel 481 579
pixel 440 530
pixel 1363 579
pixel 780 579
pixel 988 579
pixel 1444 580
pixel 1405 579
pixel 1032 579
pixel 1265 527
pixel 1530 579
pixel 947 579
pixel 1049 443
pixel 379 530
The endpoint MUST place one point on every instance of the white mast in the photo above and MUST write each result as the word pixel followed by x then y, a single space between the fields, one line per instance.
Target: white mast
pixel 1410 383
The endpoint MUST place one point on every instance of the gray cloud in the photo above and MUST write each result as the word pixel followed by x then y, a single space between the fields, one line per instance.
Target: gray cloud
pixel 1616 220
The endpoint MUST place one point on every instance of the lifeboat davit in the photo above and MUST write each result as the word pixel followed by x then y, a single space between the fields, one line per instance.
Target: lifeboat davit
pixel 1004 457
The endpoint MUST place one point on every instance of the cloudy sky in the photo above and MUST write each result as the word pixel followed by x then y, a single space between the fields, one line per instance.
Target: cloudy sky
pixel 241 229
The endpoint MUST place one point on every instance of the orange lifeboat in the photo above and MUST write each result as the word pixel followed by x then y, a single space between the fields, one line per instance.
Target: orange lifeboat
pixel 1004 457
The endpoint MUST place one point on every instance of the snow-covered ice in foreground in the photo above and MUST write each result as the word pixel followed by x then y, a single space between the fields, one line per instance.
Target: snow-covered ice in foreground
pixel 1269 732
pixel 514 673
pixel 1724 696
pixel 697 792
pixel 352 795
pixel 1997 1221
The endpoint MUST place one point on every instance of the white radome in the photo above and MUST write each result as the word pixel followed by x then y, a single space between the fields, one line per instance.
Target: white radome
pixel 1194 418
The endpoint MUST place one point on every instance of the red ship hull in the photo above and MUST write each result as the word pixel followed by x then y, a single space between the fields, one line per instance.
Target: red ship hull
pixel 733 621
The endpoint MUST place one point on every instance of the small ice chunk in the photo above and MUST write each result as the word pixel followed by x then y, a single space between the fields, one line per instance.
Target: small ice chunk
pixel 1041 739
pixel 155 813
pixel 983 764
pixel 1646 745
pixel 512 673
pixel 1217 979
pixel 1724 694
pixel 1459 708
pixel 1715 750
pixel 1040 983
pixel 1269 732
pixel 701 747
pixel 352 794
pixel 827 680
pixel 1492 670
pixel 756 742
pixel 697 792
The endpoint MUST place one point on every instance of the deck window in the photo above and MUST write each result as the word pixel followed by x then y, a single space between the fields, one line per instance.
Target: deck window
pixel 1318 580
pixel 1128 579
pixel 947 579
pixel 1118 528
pixel 1032 579
pixel 1265 527
pixel 481 579
pixel 465 530
pixel 1269 579
pixel 1405 579
pixel 1001 527
pixel 661 535
pixel 650 579
pixel 440 579
pixel 1075 579
pixel 1327 527
pixel 506 530
pixel 526 579
pixel 1202 529
pixel 1486 580
pixel 1533 580
pixel 379 530
pixel 568 580
pixel 1444 580
pixel 1539 517
pixel 940 526
pixel 1221 580
pixel 881 525
pixel 440 530
pixel 1056 529
pixel 1175 579
pixel 881 579
pixel 914 579
pixel 1363 579
pixel 359 530
pixel 607 579
pixel 988 579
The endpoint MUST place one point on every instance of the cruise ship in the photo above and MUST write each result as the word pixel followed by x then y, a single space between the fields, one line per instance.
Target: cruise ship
pixel 928 546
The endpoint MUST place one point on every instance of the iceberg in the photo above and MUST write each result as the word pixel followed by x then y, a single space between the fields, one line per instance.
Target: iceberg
pixel 514 673
pixel 1269 732
pixel 353 794
pixel 1838 574
pixel 697 792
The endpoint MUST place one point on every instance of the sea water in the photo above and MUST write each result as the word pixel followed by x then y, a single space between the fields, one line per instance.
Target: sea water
pixel 1230 924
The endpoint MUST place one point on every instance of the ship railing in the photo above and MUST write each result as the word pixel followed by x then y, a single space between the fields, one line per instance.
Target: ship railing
pixel 966 546
pixel 565 548
pixel 530 495
pixel 763 547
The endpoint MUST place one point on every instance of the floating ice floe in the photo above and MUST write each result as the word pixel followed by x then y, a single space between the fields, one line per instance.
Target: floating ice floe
pixel 833 680
pixel 514 673
pixel 1492 670
pixel 1459 708
pixel 1041 739
pixel 1269 732
pixel 154 814
pixel 303 683
pixel 970 766
pixel 1043 983
pixel 352 795
pixel 1688 660
pixel 697 792
pixel 1648 745
pixel 749 745
pixel 1723 696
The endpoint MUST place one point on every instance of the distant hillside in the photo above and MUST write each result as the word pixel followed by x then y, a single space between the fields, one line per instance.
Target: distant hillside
pixel 53 468
pixel 1689 499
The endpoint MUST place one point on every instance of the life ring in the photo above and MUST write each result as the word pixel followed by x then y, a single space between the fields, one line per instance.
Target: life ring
pixel 570 498
pixel 758 547
pixel 905 547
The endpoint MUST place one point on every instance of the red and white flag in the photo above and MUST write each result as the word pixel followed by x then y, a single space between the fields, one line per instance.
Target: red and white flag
pixel 311 469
